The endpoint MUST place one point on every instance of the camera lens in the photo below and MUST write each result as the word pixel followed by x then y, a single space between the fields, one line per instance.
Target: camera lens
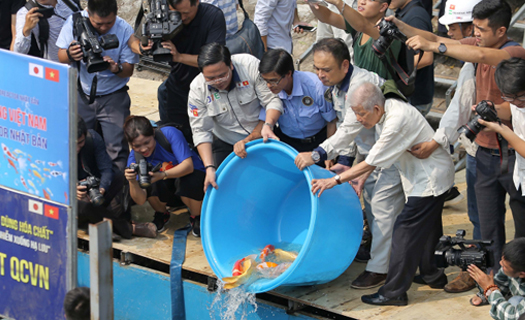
pixel 96 197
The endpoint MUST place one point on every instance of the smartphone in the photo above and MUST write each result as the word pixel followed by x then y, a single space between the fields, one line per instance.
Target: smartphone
pixel 305 28
pixel 318 2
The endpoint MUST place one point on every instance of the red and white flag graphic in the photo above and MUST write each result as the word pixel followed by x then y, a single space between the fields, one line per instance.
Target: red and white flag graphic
pixel 36 70
pixel 35 207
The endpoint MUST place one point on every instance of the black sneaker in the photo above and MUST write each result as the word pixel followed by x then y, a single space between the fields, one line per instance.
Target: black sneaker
pixel 453 197
pixel 160 220
pixel 196 226
pixel 363 254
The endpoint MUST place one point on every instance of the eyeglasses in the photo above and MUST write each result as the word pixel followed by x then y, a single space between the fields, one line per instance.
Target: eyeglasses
pixel 274 82
pixel 512 98
pixel 218 80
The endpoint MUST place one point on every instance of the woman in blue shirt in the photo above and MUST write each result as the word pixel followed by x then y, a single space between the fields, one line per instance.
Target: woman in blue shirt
pixel 182 172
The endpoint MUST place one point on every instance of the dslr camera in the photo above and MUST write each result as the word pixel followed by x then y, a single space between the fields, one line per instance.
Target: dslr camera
pixel 92 185
pixel 161 24
pixel 485 110
pixel 142 169
pixel 478 255
pixel 90 44
pixel 388 33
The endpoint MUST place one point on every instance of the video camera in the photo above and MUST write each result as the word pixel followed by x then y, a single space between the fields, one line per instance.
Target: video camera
pixel 161 24
pixel 388 33
pixel 485 110
pixel 479 255
pixel 142 169
pixel 90 44
pixel 92 185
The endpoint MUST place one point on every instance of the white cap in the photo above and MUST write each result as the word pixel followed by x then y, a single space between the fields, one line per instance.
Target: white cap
pixel 458 11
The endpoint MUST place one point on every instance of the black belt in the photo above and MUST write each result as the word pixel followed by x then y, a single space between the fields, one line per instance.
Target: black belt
pixel 496 152
pixel 123 89
pixel 319 136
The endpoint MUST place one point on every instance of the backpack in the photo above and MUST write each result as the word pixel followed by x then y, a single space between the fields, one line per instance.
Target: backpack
pixel 247 39
pixel 391 91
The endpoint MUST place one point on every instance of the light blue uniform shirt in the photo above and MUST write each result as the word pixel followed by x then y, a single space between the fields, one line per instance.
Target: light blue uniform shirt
pixel 306 111
pixel 229 8
pixel 107 81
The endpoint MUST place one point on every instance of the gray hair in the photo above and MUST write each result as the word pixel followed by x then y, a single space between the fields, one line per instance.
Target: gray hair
pixel 367 95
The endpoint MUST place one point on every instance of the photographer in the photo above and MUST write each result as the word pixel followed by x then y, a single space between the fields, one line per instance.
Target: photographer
pixel 203 23
pixel 489 47
pixel 103 199
pixel 182 172
pixel 508 282
pixel 224 106
pixel 418 227
pixel 45 30
pixel 110 103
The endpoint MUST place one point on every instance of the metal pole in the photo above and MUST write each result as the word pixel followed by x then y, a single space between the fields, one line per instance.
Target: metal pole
pixel 517 16
pixel 71 279
pixel 101 270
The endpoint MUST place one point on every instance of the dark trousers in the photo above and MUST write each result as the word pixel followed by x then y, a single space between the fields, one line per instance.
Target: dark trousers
pixel 110 111
pixel 112 208
pixel 220 150
pixel 491 189
pixel 302 145
pixel 416 233
pixel 173 109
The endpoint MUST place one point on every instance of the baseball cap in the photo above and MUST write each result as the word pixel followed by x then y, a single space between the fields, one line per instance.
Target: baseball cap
pixel 458 11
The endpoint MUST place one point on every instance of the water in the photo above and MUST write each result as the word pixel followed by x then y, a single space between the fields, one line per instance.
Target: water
pixel 228 304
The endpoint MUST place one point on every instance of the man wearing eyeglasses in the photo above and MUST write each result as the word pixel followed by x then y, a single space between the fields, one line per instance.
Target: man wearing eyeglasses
pixel 308 118
pixel 224 104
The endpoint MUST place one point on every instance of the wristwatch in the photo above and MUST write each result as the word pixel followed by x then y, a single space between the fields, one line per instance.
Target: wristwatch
pixel 269 125
pixel 165 175
pixel 316 156
pixel 442 48
pixel 119 69
pixel 338 179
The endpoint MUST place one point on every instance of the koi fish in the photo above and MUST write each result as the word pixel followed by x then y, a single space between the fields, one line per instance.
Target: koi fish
pixel 46 169
pixel 7 152
pixel 237 267
pixel 65 195
pixel 12 164
pixel 53 164
pixel 266 251
pixel 47 176
pixel 51 193
pixel 38 175
pixel 31 183
pixel 266 265
pixel 46 195
pixel 40 162
pixel 34 166
pixel 24 182
pixel 58 173
pixel 285 255
pixel 18 151
pixel 247 270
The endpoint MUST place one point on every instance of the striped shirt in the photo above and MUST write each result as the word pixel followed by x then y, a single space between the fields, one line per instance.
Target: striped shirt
pixel 229 8
pixel 500 308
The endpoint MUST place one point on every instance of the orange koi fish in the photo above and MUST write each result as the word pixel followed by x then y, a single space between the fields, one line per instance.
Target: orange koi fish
pixel 12 164
pixel 24 182
pixel 38 175
pixel 266 251
pixel 65 195
pixel 266 265
pixel 247 269
pixel 46 195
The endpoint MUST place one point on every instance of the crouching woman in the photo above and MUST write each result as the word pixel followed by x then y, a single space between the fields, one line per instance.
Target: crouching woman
pixel 182 173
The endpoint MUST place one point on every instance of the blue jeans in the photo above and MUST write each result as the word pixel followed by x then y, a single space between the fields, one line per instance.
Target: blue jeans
pixel 472 203
pixel 424 108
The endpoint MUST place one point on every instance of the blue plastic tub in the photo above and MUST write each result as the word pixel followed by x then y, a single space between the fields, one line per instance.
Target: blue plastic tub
pixel 264 199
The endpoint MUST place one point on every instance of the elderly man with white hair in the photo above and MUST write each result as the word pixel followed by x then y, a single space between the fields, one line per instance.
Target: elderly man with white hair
pixel 425 181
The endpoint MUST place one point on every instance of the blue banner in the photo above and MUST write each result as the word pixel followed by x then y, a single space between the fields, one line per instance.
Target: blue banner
pixel 34 130
pixel 33 255
pixel 34 187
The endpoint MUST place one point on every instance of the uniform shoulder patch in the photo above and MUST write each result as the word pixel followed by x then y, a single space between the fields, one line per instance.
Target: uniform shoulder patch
pixel 308 101
pixel 328 95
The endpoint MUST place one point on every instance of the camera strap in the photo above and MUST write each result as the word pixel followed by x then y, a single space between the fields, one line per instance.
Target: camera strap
pixel 503 146
pixel 405 82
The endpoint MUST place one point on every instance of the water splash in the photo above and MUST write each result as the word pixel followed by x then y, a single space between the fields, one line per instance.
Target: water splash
pixel 228 304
